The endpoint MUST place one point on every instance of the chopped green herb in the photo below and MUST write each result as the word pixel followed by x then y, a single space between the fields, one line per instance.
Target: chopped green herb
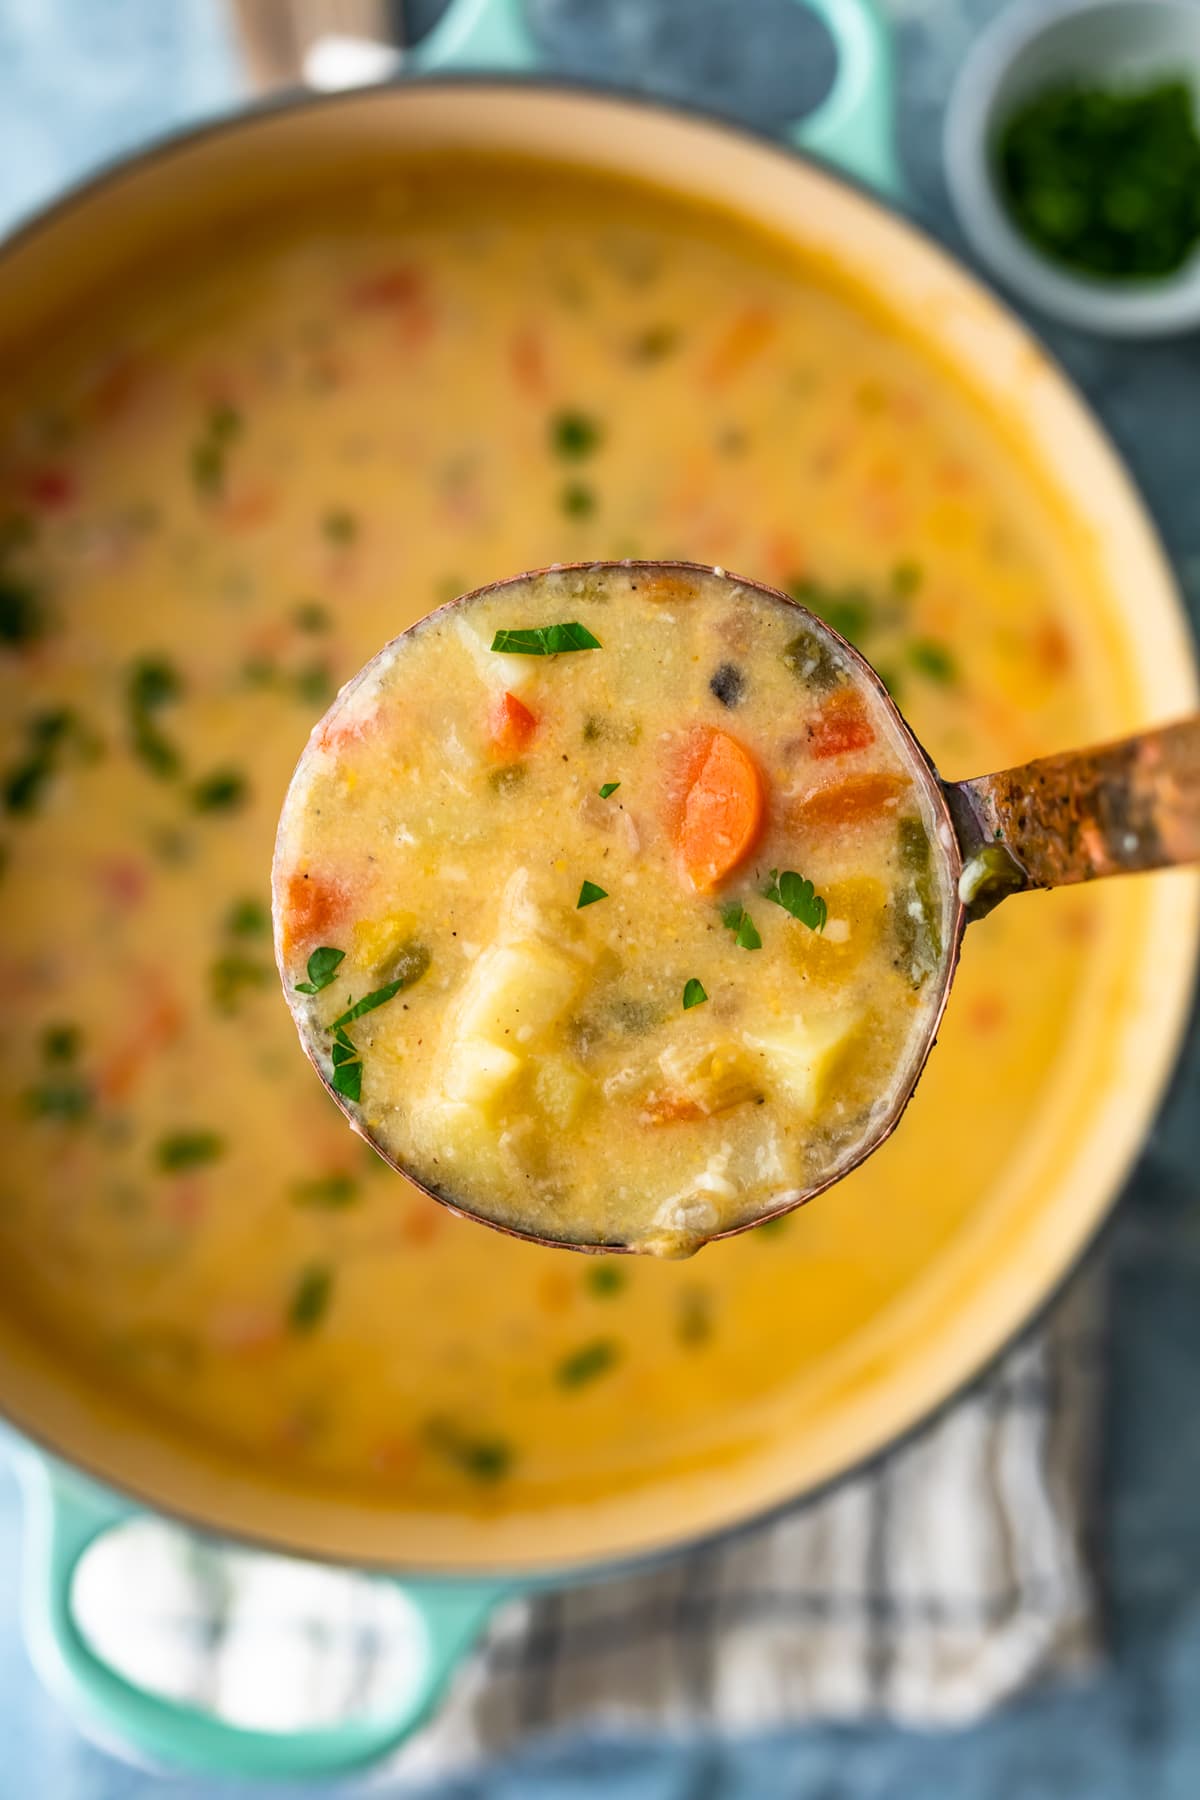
pixel 311 1295
pixel 329 1192
pixel 233 975
pixel 848 610
pixel 545 640
pixel 339 526
pixel 322 966
pixel 735 918
pixel 913 843
pixel 261 672
pixel 60 1043
pixel 347 1081
pixel 223 791
pixel 248 918
pixel 609 788
pixel 181 1150
pixel 483 1458
pixel 574 434
pixel 408 964
pixel 48 734
pixel 933 659
pixel 586 1363
pixel 343 1053
pixel 773 1227
pixel 798 897
pixel 209 452
pixel 605 1278
pixel 1106 179
pixel 655 342
pixel 313 684
pixel 380 997
pixel 577 501
pixel 22 618
pixel 66 1100
pixel 693 994
pixel 589 893
pixel 310 615
pixel 906 579
pixel 151 684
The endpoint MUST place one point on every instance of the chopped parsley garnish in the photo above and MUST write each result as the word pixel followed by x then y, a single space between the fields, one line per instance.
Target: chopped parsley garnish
pixel 60 1043
pixel 369 1002
pixel 577 501
pixel 575 434
pixel 586 1363
pixel 311 1295
pixel 798 897
pixel 605 1278
pixel 483 1458
pixel 589 893
pixel 694 1324
pixel 933 659
pixel 330 1192
pixel 22 618
pixel 310 615
pixel 322 967
pixel 693 994
pixel 223 791
pixel 48 735
pixel 545 640
pixel 339 526
pixel 151 684
pixel 848 610
pixel 248 918
pixel 210 450
pixel 347 1080
pixel 181 1150
pixel 67 1100
pixel 313 685
pixel 609 788
pixel 735 918
pixel 233 975
pixel 654 343
pixel 906 579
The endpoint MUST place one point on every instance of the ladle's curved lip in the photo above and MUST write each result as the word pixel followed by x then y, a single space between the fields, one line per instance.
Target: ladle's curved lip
pixel 947 838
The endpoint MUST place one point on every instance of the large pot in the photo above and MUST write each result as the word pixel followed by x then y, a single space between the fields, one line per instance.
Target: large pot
pixel 457 1571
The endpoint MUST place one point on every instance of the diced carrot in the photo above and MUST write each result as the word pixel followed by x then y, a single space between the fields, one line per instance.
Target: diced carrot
pixel 527 357
pixel 421 1223
pixel 312 906
pixel 655 585
pixel 1052 648
pixel 715 805
pixel 511 726
pixel 848 802
pixel 744 338
pixel 842 725
pixel 669 1108
pixel 159 1026
pixel 248 506
pixel 387 289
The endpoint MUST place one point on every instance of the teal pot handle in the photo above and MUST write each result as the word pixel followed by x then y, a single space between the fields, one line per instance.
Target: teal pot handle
pixel 853 127
pixel 64 1514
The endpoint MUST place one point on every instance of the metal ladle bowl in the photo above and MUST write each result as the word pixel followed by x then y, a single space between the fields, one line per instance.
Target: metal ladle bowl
pixel 1110 809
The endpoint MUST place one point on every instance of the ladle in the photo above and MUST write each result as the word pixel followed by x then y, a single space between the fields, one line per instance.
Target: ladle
pixel 1111 809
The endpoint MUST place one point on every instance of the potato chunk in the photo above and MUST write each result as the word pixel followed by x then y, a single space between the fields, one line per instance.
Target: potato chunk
pixel 803 1057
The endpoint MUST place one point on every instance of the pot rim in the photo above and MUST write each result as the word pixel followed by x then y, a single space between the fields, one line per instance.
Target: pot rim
pixel 245 118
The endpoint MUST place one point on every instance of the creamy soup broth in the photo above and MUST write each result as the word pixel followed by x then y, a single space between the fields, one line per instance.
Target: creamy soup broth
pixel 219 498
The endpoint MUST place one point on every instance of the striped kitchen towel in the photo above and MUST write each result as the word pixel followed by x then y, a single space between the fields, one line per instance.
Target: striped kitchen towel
pixel 926 1590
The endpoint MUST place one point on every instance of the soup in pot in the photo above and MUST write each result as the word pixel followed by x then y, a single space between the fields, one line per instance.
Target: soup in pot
pixel 219 494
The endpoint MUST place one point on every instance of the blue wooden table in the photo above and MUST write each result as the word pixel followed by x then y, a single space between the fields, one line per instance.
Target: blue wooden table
pixel 83 80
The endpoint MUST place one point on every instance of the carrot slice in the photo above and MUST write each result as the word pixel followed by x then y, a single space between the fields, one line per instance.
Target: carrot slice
pixel 715 806
pixel 669 1108
pixel 745 337
pixel 312 906
pixel 848 802
pixel 842 725
pixel 511 726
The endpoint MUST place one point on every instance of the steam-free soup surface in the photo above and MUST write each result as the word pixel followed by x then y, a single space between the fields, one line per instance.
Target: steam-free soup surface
pixel 608 902
pixel 219 498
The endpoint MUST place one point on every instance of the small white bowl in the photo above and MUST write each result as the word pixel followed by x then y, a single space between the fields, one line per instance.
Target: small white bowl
pixel 1029 48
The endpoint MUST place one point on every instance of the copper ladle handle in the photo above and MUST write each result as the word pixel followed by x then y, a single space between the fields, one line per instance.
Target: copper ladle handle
pixel 1108 810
